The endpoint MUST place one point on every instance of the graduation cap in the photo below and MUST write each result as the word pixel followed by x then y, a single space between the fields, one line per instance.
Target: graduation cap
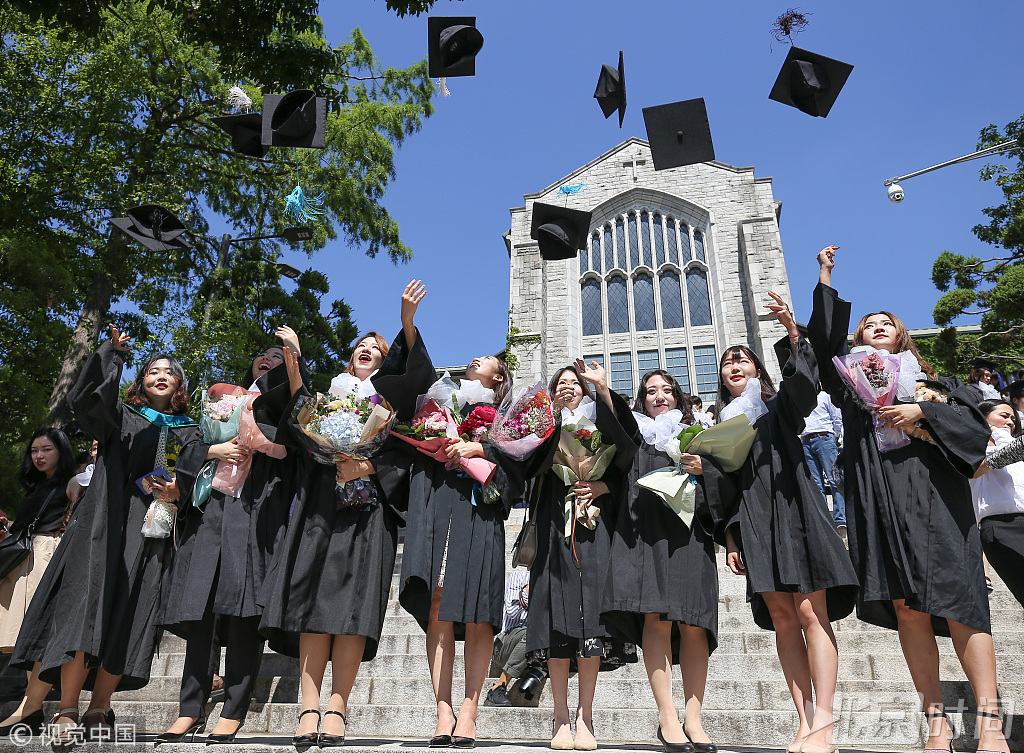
pixel 611 90
pixel 559 231
pixel 296 119
pixel 246 133
pixel 452 45
pixel 679 134
pixel 810 82
pixel 153 226
pixel 984 363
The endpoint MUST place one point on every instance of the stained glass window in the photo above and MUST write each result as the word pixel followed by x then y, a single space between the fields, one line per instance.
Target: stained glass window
pixel 620 244
pixel 609 249
pixel 659 240
pixel 698 242
pixel 590 301
pixel 618 306
pixel 684 248
pixel 643 304
pixel 645 238
pixel 634 248
pixel 671 301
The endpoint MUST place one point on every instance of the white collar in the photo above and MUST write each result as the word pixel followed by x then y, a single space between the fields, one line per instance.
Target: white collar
pixel 749 403
pixel 660 430
pixel 586 409
pixel 349 384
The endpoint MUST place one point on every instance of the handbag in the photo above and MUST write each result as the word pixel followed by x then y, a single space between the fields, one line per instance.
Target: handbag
pixel 15 549
pixel 524 551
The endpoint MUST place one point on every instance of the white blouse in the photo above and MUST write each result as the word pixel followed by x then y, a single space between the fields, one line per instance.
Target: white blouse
pixel 999 492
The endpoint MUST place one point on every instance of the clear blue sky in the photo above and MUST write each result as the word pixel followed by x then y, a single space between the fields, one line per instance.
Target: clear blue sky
pixel 927 78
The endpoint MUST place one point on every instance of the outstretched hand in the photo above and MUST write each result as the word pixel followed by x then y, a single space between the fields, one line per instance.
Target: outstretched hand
pixel 827 260
pixel 411 297
pixel 291 364
pixel 288 338
pixel 595 374
pixel 119 340
pixel 780 310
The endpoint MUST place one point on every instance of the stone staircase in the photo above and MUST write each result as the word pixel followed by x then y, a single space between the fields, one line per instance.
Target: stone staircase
pixel 747 702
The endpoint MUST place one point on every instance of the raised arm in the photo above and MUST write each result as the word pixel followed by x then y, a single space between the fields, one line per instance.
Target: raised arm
pixel 595 374
pixel 828 327
pixel 411 298
pixel 96 397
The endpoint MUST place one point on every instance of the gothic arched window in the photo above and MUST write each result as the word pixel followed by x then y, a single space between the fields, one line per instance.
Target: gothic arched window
pixel 634 251
pixel 659 241
pixel 700 301
pixel 670 233
pixel 620 244
pixel 671 301
pixel 645 318
pixel 684 249
pixel 618 305
pixel 590 302
pixel 698 242
pixel 609 248
pixel 645 238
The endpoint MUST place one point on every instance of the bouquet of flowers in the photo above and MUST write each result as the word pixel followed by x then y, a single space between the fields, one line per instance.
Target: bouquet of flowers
pixel 351 422
pixel 728 442
pixel 580 457
pixel 219 418
pixel 873 377
pixel 431 431
pixel 524 420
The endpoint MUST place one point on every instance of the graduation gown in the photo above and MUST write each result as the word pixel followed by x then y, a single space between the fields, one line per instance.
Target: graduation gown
pixel 101 591
pixel 226 548
pixel 909 515
pixel 782 523
pixel 657 565
pixel 443 524
pixel 331 575
pixel 565 598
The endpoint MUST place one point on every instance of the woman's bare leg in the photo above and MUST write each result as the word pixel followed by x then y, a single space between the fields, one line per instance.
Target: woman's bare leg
pixel 978 658
pixel 693 665
pixel 823 658
pixel 441 660
pixel 657 650
pixel 314 651
pixel 789 643
pixel 478 650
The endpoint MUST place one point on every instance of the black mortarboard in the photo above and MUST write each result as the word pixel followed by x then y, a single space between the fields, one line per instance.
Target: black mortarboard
pixel 296 119
pixel 810 82
pixel 984 363
pixel 246 133
pixel 452 45
pixel 679 134
pixel 611 90
pixel 153 226
pixel 559 231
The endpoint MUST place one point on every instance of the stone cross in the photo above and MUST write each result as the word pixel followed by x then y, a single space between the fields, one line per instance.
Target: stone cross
pixel 633 163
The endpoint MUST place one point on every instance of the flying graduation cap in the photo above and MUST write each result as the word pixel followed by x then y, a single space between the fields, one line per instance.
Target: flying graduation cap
pixel 296 119
pixel 611 90
pixel 246 133
pixel 452 45
pixel 559 231
pixel 810 82
pixel 154 226
pixel 679 134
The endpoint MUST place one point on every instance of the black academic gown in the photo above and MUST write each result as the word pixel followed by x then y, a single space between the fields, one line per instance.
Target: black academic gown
pixel 226 548
pixel 909 516
pixel 565 597
pixel 441 509
pixel 332 572
pixel 782 523
pixel 102 589
pixel 657 565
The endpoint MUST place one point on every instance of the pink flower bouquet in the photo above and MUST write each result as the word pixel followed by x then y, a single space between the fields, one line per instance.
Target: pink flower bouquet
pixel 873 377
pixel 432 430
pixel 524 420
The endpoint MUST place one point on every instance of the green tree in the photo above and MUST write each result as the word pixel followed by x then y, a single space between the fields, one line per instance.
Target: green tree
pixel 104 120
pixel 993 287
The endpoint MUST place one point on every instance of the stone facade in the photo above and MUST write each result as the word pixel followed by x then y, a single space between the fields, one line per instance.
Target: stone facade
pixel 725 209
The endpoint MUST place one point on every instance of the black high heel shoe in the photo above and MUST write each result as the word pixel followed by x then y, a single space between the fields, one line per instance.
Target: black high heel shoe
pixel 33 723
pixel 104 730
pixel 442 741
pixel 173 737
pixel 333 741
pixel 949 724
pixel 990 715
pixel 700 747
pixel 686 747
pixel 213 739
pixel 307 741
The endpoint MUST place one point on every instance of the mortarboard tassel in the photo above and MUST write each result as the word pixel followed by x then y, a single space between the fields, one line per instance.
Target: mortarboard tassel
pixel 444 88
pixel 238 99
pixel 302 208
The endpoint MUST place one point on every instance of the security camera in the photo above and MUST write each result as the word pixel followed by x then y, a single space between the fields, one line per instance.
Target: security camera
pixel 895 193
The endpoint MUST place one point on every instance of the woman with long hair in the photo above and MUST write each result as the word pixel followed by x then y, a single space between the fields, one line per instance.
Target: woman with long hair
pixel 46 468
pixel 93 617
pixel 326 594
pixel 568 574
pixel 999 500
pixel 223 556
pixel 913 536
pixel 453 563
pixel 661 589
pixel 799 574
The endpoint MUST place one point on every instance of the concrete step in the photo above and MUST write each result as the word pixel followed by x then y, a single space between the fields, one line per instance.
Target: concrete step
pixel 893 726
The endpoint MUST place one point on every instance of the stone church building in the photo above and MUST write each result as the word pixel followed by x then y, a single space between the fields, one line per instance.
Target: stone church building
pixel 678 266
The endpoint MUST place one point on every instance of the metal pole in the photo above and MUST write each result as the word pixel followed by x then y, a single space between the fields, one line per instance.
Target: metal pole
pixel 989 151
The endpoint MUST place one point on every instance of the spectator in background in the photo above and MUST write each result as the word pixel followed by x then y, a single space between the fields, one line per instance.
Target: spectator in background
pixel 712 411
pixel 821 437
pixel 45 470
pixel 983 372
pixel 510 645
pixel 1016 391
pixel 697 408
